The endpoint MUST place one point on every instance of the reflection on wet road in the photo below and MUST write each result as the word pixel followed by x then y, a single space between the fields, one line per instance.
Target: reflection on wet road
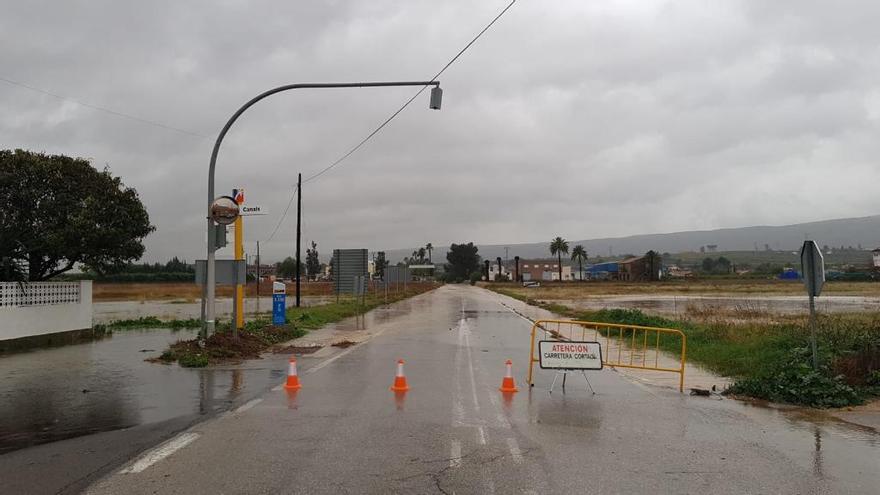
pixel 455 432
pixel 51 394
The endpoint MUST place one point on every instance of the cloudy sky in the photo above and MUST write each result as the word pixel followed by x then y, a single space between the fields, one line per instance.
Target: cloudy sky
pixel 577 118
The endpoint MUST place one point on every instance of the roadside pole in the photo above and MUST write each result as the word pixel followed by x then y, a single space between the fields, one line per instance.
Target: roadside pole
pixel 813 345
pixel 299 197
pixel 813 270
pixel 238 194
pixel 258 279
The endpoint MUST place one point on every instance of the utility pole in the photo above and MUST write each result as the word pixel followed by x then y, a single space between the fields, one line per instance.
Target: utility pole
pixel 258 279
pixel 299 199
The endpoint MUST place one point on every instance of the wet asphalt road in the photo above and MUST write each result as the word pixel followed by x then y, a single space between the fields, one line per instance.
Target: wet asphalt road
pixel 69 413
pixel 454 432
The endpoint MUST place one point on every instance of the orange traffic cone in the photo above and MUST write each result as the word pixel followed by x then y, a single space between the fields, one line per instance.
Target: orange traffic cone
pixel 399 379
pixel 292 377
pixel 508 385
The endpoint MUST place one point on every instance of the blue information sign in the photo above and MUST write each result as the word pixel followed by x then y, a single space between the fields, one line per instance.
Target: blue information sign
pixel 278 317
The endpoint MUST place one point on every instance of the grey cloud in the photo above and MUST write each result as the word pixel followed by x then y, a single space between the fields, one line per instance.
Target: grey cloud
pixel 581 119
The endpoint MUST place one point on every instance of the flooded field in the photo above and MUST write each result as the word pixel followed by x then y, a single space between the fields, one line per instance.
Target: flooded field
pixel 729 300
pixel 52 394
pixel 107 311
pixel 682 305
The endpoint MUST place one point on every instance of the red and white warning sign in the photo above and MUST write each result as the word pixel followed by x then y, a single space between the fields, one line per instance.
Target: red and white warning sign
pixel 238 195
pixel 559 355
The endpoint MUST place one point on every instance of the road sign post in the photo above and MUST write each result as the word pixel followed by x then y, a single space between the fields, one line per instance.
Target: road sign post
pixel 279 295
pixel 238 303
pixel 813 269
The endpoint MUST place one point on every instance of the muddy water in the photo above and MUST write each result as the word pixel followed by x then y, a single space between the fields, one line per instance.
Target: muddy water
pixel 51 394
pixel 108 311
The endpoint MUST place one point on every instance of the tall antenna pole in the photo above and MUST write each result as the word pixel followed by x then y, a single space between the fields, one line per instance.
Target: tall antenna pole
pixel 299 199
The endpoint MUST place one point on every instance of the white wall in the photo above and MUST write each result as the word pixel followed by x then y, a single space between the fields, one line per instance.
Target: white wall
pixel 57 307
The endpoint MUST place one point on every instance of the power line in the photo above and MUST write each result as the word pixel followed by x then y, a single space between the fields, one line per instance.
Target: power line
pixel 389 119
pixel 283 215
pixel 393 115
pixel 102 109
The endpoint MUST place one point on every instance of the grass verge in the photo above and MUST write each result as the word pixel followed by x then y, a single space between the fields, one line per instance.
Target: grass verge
pixel 260 335
pixel 770 361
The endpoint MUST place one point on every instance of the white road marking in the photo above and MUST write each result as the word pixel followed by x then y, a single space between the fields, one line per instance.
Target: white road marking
pixel 467 342
pixel 160 452
pixel 482 432
pixel 247 405
pixel 329 360
pixel 502 420
pixel 457 402
pixel 514 450
pixel 455 454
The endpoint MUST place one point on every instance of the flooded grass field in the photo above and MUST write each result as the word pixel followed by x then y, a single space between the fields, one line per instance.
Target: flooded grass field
pixel 728 300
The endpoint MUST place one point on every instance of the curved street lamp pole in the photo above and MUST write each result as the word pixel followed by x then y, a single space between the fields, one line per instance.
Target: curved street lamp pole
pixel 209 322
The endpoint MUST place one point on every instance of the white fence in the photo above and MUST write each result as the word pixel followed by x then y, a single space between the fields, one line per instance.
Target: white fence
pixel 40 308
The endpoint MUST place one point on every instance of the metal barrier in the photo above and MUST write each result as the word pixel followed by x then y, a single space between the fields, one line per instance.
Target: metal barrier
pixel 625 346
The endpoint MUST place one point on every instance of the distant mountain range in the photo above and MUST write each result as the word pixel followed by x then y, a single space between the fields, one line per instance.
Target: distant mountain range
pixel 864 231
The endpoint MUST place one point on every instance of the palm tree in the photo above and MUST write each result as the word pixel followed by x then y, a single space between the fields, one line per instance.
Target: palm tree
pixel 579 254
pixel 559 246
pixel 429 248
pixel 421 255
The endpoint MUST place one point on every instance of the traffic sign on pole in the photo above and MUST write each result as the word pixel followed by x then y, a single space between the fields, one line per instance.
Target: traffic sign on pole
pixel 813 269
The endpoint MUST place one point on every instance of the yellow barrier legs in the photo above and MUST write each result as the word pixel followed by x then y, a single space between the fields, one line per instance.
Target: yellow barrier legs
pixel 683 357
pixel 532 355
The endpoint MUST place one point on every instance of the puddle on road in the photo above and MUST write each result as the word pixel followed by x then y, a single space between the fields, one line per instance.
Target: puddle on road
pixel 52 394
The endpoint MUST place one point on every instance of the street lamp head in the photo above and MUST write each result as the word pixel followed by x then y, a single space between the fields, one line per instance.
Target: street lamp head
pixel 436 98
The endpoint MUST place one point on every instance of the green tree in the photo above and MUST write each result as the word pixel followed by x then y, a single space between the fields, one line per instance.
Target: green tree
pixel 313 264
pixel 462 261
pixel 708 265
pixel 174 265
pixel 60 211
pixel 381 263
pixel 287 268
pixel 559 246
pixel 579 254
pixel 421 254
pixel 430 249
